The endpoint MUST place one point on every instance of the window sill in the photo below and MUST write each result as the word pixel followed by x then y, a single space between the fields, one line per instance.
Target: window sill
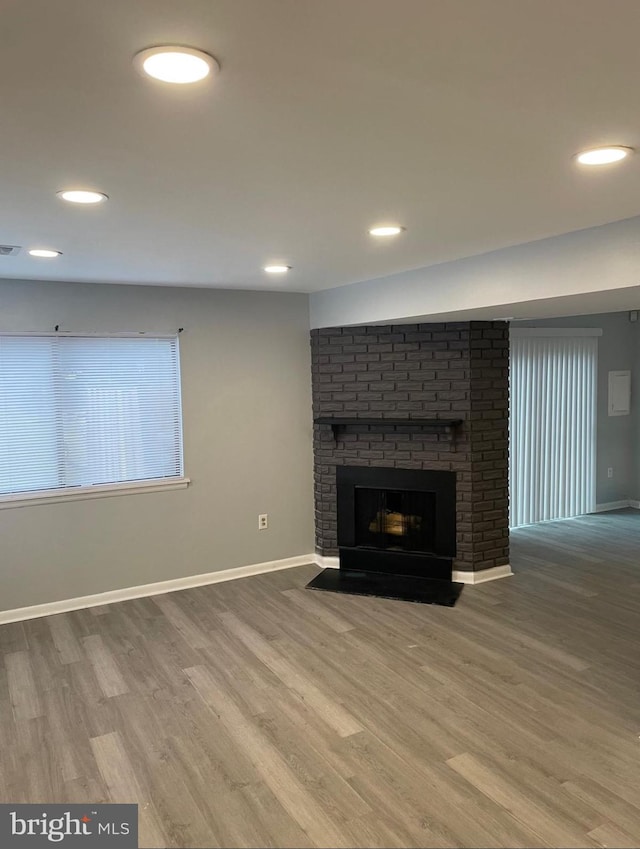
pixel 84 493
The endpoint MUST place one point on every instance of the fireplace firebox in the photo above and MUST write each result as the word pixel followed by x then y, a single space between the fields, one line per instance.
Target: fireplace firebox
pixel 396 534
pixel 398 520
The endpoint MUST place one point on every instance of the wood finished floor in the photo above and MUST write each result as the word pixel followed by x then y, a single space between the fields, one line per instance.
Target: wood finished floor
pixel 257 713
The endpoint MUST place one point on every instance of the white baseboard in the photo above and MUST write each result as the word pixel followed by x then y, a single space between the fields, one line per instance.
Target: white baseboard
pixel 635 505
pixel 459 576
pixel 36 611
pixel 614 505
pixel 483 575
pixel 127 593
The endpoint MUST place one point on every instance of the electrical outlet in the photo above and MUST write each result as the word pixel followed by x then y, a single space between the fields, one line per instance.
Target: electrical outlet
pixel 263 521
pixel 609 472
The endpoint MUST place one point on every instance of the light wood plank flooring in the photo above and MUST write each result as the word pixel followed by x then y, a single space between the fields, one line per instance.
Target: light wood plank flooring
pixel 257 713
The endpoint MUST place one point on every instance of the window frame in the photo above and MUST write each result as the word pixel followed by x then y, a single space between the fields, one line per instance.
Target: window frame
pixel 105 490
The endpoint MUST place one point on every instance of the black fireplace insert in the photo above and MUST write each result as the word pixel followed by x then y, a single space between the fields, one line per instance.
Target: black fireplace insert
pixel 398 521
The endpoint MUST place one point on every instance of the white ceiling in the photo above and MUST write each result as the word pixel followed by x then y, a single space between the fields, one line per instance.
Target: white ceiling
pixel 455 118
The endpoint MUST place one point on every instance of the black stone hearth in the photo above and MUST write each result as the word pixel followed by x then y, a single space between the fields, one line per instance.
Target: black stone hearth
pixel 396 534
pixel 399 587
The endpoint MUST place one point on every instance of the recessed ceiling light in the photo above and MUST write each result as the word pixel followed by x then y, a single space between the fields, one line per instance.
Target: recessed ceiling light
pixel 386 230
pixel 175 64
pixel 277 269
pixel 82 196
pixel 45 253
pixel 603 155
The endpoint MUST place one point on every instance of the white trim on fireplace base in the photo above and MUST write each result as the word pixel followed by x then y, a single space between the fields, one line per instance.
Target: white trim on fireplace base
pixel 483 575
pixel 458 575
pixel 327 562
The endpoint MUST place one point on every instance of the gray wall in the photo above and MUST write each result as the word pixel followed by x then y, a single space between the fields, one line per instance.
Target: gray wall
pixel 617 435
pixel 247 443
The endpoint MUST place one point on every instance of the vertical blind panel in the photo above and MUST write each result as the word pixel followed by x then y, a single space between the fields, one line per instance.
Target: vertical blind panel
pixel 552 428
pixel 82 411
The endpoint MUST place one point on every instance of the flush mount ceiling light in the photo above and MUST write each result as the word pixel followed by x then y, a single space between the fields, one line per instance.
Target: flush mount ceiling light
pixel 603 155
pixel 277 269
pixel 82 196
pixel 386 230
pixel 45 253
pixel 175 64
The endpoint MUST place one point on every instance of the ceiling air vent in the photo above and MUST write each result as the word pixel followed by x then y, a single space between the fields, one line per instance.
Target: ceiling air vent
pixel 9 250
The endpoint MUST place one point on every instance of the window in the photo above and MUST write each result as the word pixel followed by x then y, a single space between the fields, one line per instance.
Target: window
pixel 86 412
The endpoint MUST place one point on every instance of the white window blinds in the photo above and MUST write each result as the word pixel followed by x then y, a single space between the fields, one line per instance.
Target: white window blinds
pixel 552 427
pixel 78 411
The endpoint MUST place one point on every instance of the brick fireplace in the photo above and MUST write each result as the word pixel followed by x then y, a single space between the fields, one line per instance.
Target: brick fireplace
pixel 444 372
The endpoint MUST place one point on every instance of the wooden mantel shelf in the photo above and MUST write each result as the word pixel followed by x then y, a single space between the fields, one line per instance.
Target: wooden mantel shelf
pixel 449 426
